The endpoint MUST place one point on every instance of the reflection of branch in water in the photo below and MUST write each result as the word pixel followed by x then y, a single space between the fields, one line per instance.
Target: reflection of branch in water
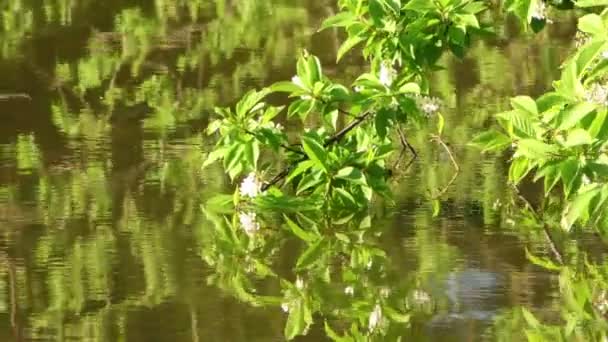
pixel 552 245
pixel 440 141
pixel 194 324
pixel 12 279
pixel 16 96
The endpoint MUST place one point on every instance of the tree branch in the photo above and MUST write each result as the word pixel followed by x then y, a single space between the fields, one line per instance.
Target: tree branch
pixel 332 140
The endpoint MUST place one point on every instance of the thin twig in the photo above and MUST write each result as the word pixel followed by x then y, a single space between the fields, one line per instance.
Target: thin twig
pixel 16 96
pixel 443 191
pixel 405 144
pixel 338 136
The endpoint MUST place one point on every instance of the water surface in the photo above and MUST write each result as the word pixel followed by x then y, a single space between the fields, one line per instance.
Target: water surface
pixel 101 233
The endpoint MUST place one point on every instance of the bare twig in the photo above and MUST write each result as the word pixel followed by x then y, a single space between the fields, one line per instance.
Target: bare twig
pixel 443 191
pixel 405 145
pixel 16 96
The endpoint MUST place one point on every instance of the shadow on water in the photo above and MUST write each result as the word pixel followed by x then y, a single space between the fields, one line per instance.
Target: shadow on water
pixel 101 185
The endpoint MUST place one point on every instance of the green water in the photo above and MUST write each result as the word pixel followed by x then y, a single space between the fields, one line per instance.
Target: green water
pixel 101 145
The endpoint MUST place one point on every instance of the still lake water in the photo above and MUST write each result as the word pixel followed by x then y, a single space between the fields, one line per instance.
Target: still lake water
pixel 101 233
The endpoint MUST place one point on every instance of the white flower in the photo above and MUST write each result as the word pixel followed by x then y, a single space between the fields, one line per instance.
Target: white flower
pixel 421 297
pixel 279 127
pixel 540 11
pixel 297 81
pixel 285 307
pixel 605 54
pixel 299 283
pixel 428 105
pixel 349 290
pixel 374 318
pixel 387 74
pixel 358 89
pixel 597 94
pixel 250 187
pixel 249 223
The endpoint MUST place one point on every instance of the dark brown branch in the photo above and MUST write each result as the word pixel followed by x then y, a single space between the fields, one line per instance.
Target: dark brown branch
pixel 338 136
pixel 405 145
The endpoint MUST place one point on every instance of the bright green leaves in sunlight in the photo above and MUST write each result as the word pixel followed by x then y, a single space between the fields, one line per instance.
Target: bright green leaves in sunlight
pixel 313 186
pixel 411 33
pixel 563 135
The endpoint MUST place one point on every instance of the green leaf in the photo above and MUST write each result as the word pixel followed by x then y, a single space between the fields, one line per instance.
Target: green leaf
pixel 491 141
pixel 440 124
pixel 578 137
pixel 347 198
pixel 250 101
pixel 410 88
pixel 315 71
pixel 286 87
pixel 348 45
pixel 422 6
pixel 341 19
pixel 234 156
pixel 315 151
pixel 334 335
pixel 299 319
pixel 542 262
pixel 252 153
pixel 591 3
pixel 536 149
pixel 578 208
pixel 436 208
pixel 376 11
pixel 311 255
pixel 530 319
pixel 525 104
pixel 569 170
pixel 520 167
pixel 570 85
pixel 572 115
pixel 301 168
pixel 299 232
pixel 352 175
